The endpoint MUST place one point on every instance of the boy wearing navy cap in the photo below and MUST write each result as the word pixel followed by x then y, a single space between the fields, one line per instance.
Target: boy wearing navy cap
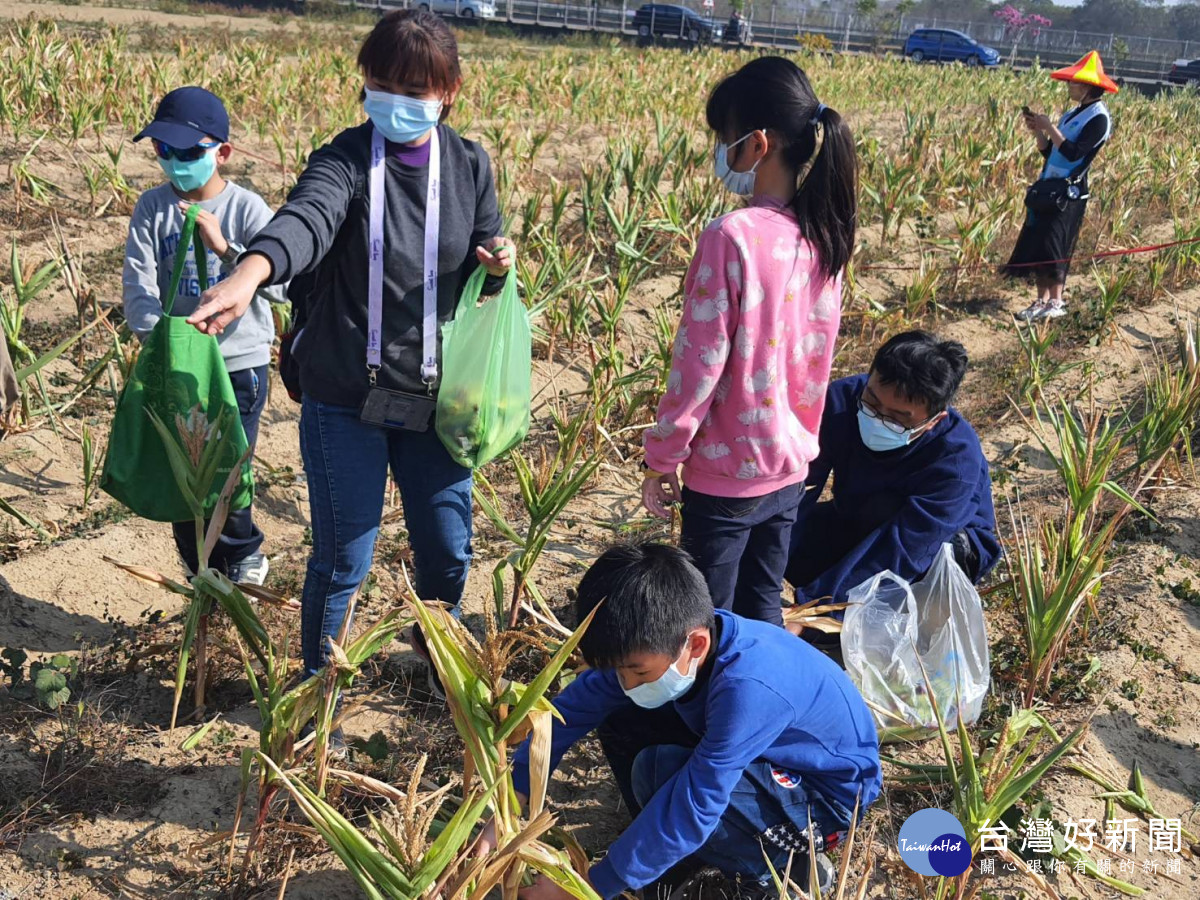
pixel 190 133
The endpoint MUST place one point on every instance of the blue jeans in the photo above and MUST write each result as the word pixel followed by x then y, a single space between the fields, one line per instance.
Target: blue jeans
pixel 240 538
pixel 765 814
pixel 347 465
pixel 740 545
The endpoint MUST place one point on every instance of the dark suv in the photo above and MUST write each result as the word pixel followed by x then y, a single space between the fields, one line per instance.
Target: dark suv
pixel 1184 71
pixel 669 20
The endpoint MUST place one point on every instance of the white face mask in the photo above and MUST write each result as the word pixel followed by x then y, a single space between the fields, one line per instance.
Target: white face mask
pixel 671 686
pixel 740 183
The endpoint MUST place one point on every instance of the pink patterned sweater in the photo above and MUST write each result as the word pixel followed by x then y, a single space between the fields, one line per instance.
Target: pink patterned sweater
pixel 751 362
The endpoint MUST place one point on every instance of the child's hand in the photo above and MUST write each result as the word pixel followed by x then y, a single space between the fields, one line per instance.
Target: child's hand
pixel 660 492
pixel 487 841
pixel 496 255
pixel 210 229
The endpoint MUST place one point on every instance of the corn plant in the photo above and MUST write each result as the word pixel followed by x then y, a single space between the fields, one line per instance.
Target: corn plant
pixel 547 485
pixel 489 711
pixel 1054 579
pixel 1084 450
pixel 921 293
pixel 1039 369
pixel 12 314
pixel 986 784
pixel 1105 303
pixel 386 867
pixel 285 713
pixel 1171 407
pixel 895 193
pixel 93 461
pixel 1133 798
pixel 195 447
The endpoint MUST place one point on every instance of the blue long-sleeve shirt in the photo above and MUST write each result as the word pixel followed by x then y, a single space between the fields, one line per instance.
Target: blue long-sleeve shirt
pixel 899 506
pixel 767 696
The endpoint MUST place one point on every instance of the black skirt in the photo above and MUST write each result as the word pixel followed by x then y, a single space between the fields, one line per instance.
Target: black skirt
pixel 1045 237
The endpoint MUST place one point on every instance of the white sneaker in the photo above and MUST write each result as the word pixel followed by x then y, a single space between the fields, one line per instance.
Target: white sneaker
pixel 1041 309
pixel 251 570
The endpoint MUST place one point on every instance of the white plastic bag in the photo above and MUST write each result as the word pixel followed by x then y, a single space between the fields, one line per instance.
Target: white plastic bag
pixel 892 628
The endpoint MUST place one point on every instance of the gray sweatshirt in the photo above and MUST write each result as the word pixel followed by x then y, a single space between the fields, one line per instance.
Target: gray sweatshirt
pixel 154 232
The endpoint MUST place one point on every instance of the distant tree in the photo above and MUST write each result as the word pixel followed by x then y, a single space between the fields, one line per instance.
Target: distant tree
pixel 1120 52
pixel 1117 16
pixel 866 7
pixel 1185 21
pixel 1017 24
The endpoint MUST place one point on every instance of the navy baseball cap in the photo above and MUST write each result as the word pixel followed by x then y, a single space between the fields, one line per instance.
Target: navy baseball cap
pixel 187 116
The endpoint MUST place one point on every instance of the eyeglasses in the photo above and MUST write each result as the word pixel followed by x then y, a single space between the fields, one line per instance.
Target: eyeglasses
pixel 183 154
pixel 890 424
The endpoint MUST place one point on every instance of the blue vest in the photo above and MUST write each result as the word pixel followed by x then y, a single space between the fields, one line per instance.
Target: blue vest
pixel 1071 125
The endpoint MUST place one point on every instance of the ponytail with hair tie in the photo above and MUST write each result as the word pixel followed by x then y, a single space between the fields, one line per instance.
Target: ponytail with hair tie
pixel 772 93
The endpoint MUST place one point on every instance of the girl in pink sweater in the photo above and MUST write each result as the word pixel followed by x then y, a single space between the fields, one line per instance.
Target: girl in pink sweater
pixel 752 355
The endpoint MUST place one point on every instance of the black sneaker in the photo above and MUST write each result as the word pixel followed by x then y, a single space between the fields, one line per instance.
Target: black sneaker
pixel 683 881
pixel 417 639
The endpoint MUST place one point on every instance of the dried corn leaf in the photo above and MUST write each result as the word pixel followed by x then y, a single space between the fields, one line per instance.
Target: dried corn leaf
pixel 539 760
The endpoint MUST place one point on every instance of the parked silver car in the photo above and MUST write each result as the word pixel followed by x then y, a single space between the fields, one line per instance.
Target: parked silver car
pixel 466 9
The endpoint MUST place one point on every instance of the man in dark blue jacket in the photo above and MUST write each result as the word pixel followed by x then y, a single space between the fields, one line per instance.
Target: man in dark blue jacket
pixel 908 476
pixel 732 742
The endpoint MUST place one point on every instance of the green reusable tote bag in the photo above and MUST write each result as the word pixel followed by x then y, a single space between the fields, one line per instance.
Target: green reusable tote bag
pixel 179 375
pixel 487 362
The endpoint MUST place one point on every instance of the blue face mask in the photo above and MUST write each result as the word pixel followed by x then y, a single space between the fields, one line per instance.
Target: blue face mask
pixel 401 119
pixel 671 686
pixel 740 183
pixel 190 176
pixel 879 437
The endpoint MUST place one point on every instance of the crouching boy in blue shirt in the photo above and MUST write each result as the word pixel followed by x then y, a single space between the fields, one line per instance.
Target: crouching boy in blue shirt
pixel 724 734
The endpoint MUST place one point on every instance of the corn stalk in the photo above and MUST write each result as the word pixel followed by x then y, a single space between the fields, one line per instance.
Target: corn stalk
pixel 489 710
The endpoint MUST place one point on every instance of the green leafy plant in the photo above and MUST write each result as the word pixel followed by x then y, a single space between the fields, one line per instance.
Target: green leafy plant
pixel 546 486
pixel 1054 579
pixel 985 785
pixel 93 461
pixel 1040 368
pixel 1084 448
pixel 1133 798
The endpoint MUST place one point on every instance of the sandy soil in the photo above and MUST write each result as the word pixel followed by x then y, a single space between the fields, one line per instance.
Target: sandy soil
pixel 145 804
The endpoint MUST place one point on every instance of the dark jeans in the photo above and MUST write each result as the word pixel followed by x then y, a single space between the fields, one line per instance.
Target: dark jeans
pixel 740 545
pixel 768 809
pixel 347 465
pixel 240 538
pixel 823 537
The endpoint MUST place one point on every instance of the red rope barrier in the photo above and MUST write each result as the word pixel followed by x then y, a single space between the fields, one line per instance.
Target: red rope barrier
pixel 1103 254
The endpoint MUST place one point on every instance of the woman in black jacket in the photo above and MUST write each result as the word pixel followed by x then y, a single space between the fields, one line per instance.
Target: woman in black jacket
pixel 1057 201
pixel 385 276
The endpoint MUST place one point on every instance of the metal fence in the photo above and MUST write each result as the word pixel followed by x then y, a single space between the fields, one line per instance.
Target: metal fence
pixel 784 28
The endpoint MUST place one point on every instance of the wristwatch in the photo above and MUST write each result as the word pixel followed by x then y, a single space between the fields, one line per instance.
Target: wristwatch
pixel 231 254
pixel 649 472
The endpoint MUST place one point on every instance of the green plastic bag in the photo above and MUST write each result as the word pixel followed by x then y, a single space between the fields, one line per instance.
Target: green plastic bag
pixel 487 365
pixel 179 376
